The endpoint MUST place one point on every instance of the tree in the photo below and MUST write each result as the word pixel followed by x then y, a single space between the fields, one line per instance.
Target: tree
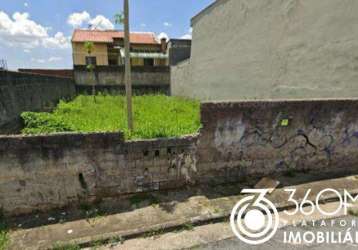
pixel 89 46
pixel 124 19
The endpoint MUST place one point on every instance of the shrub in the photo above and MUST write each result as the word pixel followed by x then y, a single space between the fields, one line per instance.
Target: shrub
pixel 43 123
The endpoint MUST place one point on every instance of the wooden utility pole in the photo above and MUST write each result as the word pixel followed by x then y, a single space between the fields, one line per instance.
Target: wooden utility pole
pixel 128 77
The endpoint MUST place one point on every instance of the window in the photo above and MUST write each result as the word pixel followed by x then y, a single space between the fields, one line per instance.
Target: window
pixel 148 62
pixel 91 60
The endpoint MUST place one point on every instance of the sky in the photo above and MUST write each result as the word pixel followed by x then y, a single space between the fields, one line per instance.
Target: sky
pixel 37 33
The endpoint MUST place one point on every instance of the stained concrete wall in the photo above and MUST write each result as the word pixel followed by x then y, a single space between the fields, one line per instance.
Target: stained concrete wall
pixel 20 92
pixel 245 49
pixel 45 172
pixel 238 142
pixel 255 139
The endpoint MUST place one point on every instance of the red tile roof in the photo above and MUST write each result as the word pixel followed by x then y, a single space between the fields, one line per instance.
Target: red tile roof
pixel 107 36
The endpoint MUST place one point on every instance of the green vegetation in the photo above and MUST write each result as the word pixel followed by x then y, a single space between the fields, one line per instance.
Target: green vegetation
pixel 353 212
pixel 3 237
pixel 67 247
pixel 154 116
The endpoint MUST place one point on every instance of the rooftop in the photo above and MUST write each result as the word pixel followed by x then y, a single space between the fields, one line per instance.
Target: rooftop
pixel 107 36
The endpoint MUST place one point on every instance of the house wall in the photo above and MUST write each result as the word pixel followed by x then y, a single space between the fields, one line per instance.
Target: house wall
pixel 275 49
pixel 20 92
pixel 80 53
pixel 180 79
pixel 178 50
pixel 100 51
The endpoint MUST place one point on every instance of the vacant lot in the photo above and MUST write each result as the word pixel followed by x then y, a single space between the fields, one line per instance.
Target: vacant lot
pixel 154 116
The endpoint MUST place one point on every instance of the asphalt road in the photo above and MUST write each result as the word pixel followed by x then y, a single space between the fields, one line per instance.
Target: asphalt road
pixel 277 243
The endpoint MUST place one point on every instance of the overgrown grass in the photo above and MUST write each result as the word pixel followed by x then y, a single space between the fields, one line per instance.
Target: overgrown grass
pixel 154 116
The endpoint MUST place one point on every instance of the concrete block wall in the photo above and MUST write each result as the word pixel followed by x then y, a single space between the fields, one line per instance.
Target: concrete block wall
pixel 52 171
pixel 114 75
pixel 21 92
pixel 257 138
pixel 238 141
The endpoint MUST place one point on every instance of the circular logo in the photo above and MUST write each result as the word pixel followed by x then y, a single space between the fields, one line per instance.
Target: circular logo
pixel 254 219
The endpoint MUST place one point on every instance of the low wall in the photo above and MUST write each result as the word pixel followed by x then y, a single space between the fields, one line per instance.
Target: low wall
pixel 238 141
pixel 21 92
pixel 114 75
pixel 121 89
pixel 44 172
pixel 253 139
pixel 50 72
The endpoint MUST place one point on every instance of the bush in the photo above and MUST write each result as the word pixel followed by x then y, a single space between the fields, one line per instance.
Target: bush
pixel 3 232
pixel 43 123
pixel 154 116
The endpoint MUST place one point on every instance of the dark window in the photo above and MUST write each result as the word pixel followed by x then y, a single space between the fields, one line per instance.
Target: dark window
pixel 91 60
pixel 148 62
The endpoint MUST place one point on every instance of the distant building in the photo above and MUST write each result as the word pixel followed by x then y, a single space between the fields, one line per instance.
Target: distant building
pixel 146 49
pixel 178 50
pixel 271 50
pixel 149 60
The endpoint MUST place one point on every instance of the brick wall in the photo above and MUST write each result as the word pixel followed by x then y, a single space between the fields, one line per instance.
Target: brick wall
pixel 21 92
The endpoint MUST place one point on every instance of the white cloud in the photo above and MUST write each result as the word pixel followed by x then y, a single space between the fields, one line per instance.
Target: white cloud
pixel 55 59
pixel 27 51
pixel 189 35
pixel 58 41
pixel 21 31
pixel 167 24
pixel 163 36
pixel 38 60
pixel 101 23
pixel 77 19
pixel 26 4
pixel 51 59
pixel 143 25
pixel 83 19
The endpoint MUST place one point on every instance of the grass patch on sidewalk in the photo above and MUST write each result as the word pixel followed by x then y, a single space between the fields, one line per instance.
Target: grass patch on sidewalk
pixel 3 233
pixel 155 116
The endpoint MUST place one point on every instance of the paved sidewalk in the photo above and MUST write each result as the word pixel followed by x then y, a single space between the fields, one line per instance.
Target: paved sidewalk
pixel 220 236
pixel 157 217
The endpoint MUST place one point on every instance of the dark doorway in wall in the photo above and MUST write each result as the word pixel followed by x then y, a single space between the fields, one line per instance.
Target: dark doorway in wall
pixel 148 62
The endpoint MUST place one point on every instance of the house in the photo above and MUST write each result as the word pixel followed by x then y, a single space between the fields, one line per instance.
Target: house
pixel 271 50
pixel 149 60
pixel 178 50
pixel 146 49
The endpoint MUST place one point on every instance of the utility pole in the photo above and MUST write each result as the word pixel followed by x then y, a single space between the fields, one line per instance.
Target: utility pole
pixel 128 77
